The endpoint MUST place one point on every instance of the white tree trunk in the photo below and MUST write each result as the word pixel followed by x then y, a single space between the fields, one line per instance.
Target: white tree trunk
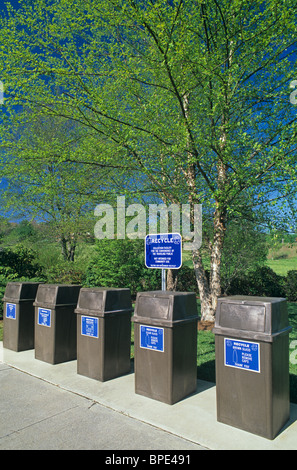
pixel 210 290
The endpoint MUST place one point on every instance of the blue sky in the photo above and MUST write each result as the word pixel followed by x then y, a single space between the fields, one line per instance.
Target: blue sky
pixel 14 3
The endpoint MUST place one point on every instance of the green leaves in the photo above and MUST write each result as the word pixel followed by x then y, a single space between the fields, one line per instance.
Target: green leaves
pixel 186 100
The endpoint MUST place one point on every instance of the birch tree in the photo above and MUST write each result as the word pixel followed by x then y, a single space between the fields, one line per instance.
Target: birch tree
pixel 193 95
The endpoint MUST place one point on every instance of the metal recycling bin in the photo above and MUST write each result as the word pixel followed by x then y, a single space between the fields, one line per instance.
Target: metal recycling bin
pixel 18 315
pixel 252 363
pixel 103 332
pixel 55 322
pixel 165 345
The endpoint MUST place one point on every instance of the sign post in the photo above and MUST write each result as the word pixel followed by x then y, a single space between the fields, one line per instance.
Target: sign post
pixel 163 279
pixel 163 251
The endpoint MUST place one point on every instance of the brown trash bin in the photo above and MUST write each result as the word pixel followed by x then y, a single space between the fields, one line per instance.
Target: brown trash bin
pixel 165 345
pixel 252 363
pixel 104 332
pixel 18 315
pixel 55 322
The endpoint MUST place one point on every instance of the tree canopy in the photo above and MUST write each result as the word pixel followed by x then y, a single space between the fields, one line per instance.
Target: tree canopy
pixel 188 98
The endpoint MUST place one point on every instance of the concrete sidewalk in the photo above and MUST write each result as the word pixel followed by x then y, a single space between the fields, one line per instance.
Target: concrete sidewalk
pixel 188 424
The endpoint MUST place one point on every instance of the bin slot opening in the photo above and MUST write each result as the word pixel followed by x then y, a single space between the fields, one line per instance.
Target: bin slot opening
pixel 153 307
pixel 12 291
pixel 91 301
pixel 46 294
pixel 242 317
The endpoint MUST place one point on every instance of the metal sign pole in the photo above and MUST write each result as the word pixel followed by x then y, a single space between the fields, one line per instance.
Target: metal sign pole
pixel 163 279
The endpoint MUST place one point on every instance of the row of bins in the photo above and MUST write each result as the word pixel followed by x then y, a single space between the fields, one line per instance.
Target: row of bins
pixel 93 325
pixel 62 323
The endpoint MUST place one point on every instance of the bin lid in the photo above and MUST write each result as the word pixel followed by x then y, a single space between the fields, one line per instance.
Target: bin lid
pixel 250 316
pixel 100 301
pixel 57 294
pixel 165 307
pixel 19 291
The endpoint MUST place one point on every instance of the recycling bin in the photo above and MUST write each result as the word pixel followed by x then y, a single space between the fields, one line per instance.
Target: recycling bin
pixel 165 345
pixel 103 332
pixel 55 322
pixel 18 315
pixel 252 363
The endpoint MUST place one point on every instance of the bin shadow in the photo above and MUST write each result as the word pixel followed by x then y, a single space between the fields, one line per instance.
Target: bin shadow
pixel 293 405
pixel 206 378
pixel 292 419
pixel 202 386
pixel 293 388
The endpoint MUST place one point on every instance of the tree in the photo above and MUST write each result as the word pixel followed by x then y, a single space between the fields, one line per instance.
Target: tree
pixel 194 95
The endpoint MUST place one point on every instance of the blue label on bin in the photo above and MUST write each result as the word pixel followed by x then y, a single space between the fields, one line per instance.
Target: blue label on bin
pixel 44 316
pixel 242 354
pixel 11 311
pixel 152 338
pixel 90 326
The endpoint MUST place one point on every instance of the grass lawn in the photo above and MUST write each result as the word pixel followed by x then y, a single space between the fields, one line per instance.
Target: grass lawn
pixel 282 266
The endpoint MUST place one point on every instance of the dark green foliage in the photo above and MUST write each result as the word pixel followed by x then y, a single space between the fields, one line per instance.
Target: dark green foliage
pixel 262 281
pixel 64 273
pixel 17 264
pixel 186 279
pixel 120 263
pixel 291 286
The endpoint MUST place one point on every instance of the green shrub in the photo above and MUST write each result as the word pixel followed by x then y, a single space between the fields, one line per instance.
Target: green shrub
pixel 186 279
pixel 64 273
pixel 20 262
pixel 262 281
pixel 120 263
pixel 265 282
pixel 291 286
pixel 17 265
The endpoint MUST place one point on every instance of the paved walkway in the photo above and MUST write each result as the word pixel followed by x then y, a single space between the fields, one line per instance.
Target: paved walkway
pixel 46 406
pixel 37 415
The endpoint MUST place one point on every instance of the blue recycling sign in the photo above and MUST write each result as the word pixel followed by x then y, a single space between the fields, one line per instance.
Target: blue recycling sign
pixel 90 326
pixel 44 317
pixel 242 354
pixel 11 311
pixel 152 338
pixel 163 250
